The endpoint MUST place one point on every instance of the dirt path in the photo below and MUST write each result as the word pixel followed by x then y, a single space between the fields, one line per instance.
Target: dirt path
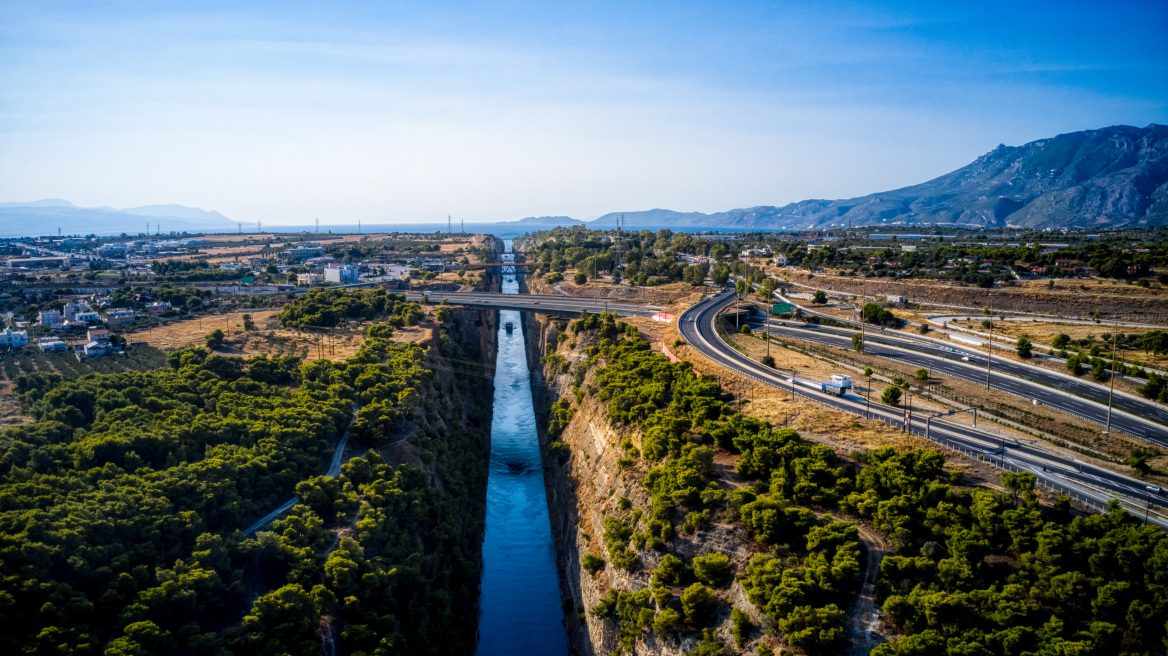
pixel 866 624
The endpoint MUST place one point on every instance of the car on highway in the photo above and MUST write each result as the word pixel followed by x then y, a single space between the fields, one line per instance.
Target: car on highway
pixel 1155 489
pixel 965 358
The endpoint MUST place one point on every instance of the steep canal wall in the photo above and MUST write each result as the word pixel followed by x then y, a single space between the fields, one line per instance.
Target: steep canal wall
pixel 520 600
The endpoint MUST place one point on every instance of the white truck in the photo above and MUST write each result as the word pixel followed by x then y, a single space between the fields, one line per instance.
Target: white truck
pixel 838 385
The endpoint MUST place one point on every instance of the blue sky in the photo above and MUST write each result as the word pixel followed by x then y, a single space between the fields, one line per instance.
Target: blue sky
pixel 382 111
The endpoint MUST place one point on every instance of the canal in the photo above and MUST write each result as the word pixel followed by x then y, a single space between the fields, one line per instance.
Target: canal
pixel 520 598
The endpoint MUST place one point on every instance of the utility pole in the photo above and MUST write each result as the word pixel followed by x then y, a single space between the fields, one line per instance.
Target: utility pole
pixel 318 225
pixel 449 225
pixel 868 412
pixel 1111 390
pixel 990 353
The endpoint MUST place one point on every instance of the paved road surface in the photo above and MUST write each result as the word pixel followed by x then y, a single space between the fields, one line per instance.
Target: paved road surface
pixel 698 328
pixel 539 302
pixel 1137 417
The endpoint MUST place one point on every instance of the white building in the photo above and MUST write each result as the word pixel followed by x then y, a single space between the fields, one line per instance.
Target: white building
pixel 310 278
pixel 120 316
pixel 13 338
pixel 94 349
pixel 71 310
pixel 48 344
pixel 341 273
pixel 49 317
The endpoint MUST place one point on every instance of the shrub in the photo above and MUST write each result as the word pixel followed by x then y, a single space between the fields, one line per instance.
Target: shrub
pixel 697 605
pixel 215 339
pixel 891 395
pixel 768 361
pixel 580 278
pixel 1024 348
pixel 922 374
pixel 592 564
pixel 555 277
pixel 713 569
pixel 740 626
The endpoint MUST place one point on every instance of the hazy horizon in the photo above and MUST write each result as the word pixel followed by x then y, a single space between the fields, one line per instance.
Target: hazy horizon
pixel 288 113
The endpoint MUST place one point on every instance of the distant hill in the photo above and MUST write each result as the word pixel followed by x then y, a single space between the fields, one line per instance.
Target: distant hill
pixel 550 220
pixel 1109 178
pixel 44 217
pixel 48 202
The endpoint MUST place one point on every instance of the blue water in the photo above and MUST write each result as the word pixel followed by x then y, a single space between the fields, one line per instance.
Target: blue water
pixel 520 599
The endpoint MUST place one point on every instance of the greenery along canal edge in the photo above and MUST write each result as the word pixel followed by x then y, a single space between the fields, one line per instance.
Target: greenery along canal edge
pixel 973 571
pixel 121 505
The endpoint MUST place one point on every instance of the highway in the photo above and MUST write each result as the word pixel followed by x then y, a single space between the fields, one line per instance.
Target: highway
pixel 1130 415
pixel 1070 476
pixel 539 302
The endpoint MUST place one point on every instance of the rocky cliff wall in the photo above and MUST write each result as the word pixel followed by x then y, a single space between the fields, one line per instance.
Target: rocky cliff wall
pixel 587 487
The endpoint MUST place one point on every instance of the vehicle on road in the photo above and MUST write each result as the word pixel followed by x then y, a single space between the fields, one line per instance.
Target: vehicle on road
pixel 1155 489
pixel 833 389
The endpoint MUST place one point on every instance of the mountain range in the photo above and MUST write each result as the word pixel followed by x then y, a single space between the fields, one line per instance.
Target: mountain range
pixel 42 217
pixel 1113 177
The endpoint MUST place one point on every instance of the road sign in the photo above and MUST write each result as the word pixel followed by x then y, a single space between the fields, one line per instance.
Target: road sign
pixel 247 280
pixel 782 308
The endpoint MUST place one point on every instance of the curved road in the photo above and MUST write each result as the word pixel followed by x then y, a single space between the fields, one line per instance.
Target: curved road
pixel 698 328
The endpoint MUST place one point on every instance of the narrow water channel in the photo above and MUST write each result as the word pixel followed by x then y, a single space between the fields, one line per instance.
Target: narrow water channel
pixel 520 598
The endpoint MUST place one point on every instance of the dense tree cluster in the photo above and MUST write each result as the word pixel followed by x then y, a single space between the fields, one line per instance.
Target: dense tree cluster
pixel 122 508
pixel 326 308
pixel 643 258
pixel 190 271
pixel 973 571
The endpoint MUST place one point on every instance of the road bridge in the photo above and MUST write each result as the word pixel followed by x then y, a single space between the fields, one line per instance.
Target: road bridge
pixel 548 303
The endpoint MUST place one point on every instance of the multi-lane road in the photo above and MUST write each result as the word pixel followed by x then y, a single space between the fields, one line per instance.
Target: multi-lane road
pixel 1134 416
pixel 1093 485
pixel 1084 481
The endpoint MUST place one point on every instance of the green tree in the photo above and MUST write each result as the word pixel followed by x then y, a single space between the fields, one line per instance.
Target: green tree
pixel 891 395
pixel 248 323
pixel 580 278
pixel 215 339
pixel 858 343
pixel 1024 347
pixel 592 563
pixel 712 569
pixel 740 627
pixel 922 374
pixel 697 605
pixel 820 297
